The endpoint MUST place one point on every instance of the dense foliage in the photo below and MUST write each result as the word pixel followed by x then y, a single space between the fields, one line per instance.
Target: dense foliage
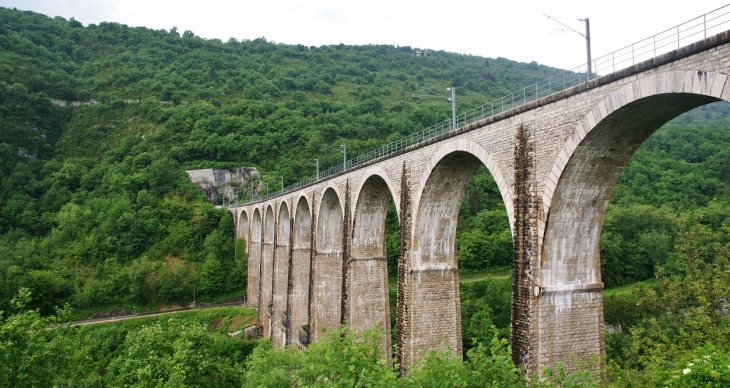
pixel 678 331
pixel 188 349
pixel 678 337
pixel 96 210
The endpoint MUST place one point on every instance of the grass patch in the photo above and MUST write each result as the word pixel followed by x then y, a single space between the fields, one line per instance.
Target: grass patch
pixel 477 276
pixel 471 277
pixel 626 289
pixel 217 319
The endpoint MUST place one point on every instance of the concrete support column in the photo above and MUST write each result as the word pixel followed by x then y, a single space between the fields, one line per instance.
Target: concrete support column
pixel 433 312
pixel 327 293
pixel 368 295
pixel 253 287
pixel 282 252
pixel 569 326
pixel 368 298
pixel 299 295
pixel 299 272
pixel 267 275
pixel 267 278
pixel 326 302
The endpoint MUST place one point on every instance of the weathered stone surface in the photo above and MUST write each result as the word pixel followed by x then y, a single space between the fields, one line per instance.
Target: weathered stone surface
pixel 266 287
pixel 282 253
pixel 325 311
pixel 254 261
pixel 252 332
pixel 555 160
pixel 368 272
pixel 227 184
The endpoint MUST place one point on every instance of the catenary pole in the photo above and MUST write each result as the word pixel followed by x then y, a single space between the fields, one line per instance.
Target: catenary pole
pixel 588 46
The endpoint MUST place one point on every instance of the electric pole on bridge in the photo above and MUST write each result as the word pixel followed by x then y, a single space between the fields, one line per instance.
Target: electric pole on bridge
pixel 453 104
pixel 452 100
pixel 588 45
pixel 344 156
pixel 587 36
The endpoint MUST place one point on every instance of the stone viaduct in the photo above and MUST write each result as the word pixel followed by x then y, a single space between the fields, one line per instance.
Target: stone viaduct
pixel 317 255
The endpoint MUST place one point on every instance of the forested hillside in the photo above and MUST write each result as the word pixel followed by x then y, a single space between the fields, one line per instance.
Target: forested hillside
pixel 95 209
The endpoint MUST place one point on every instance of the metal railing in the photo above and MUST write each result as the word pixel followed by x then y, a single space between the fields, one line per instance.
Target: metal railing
pixel 688 32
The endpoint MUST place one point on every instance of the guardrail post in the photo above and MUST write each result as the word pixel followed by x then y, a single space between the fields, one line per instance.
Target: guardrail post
pixel 632 55
pixel 678 44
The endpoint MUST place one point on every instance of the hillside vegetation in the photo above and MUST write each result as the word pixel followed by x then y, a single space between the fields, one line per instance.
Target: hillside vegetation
pixel 96 209
pixel 97 212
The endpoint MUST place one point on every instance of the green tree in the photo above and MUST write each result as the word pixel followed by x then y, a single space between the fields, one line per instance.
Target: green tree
pixel 178 355
pixel 210 277
pixel 33 351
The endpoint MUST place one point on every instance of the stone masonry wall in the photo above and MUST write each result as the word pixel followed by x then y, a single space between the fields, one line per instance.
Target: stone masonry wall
pixel 281 279
pixel 253 285
pixel 326 300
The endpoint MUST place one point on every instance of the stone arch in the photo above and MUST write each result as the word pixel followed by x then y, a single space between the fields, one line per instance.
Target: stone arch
pixel 380 172
pixel 282 234
pixel 281 276
pixel 331 191
pixel 301 261
pixel 594 156
pixel 368 273
pixel 576 196
pixel 469 147
pixel 269 225
pixel 234 216
pixel 256 226
pixel 254 259
pixel 430 283
pixel 368 224
pixel 242 227
pixel 439 196
pixel 327 265
pixel 330 221
pixel 242 233
pixel 302 237
pixel 267 272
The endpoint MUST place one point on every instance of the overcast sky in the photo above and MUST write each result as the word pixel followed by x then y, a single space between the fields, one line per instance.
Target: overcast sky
pixel 515 30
